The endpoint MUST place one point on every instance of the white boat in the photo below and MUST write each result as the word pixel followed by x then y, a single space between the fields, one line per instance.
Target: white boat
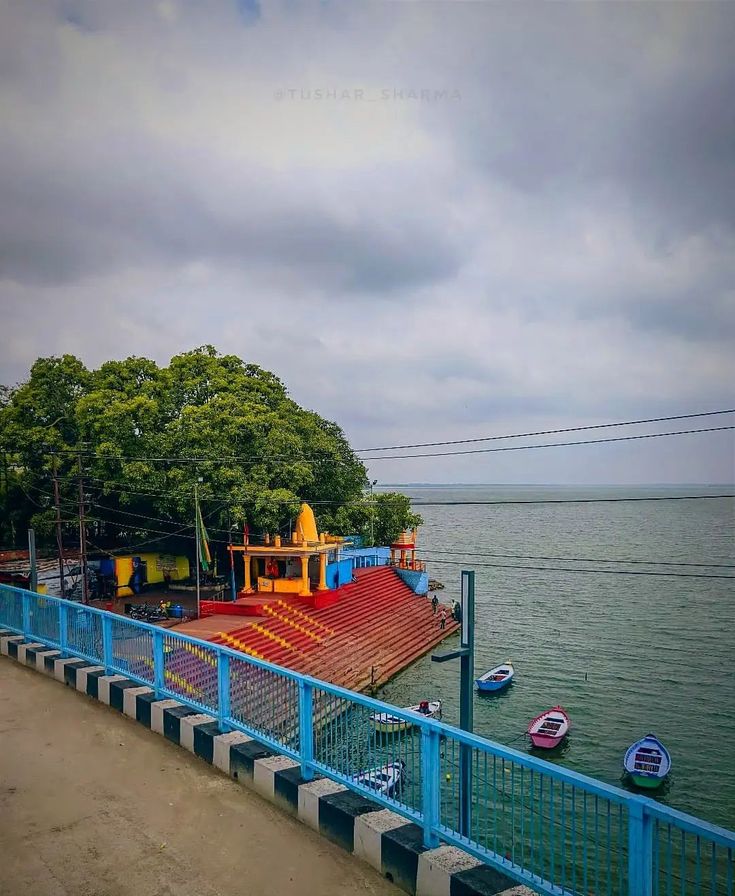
pixel 387 723
pixel 385 779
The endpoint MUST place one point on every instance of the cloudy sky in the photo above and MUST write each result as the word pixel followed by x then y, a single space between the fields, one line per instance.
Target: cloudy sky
pixel 432 220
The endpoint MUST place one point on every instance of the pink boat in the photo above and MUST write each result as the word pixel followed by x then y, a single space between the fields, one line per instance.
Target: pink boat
pixel 550 728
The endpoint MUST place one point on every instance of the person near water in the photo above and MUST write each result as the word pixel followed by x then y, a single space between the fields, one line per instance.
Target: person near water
pixel 443 618
pixel 434 603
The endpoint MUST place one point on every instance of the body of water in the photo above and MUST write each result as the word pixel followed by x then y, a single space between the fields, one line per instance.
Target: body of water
pixel 624 654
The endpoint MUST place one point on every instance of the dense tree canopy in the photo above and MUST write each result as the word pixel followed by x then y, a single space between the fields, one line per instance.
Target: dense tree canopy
pixel 143 435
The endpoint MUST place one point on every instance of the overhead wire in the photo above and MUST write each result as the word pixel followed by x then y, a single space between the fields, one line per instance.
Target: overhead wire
pixel 565 569
pixel 257 458
pixel 367 502
pixel 548 432
pixel 649 435
pixel 618 560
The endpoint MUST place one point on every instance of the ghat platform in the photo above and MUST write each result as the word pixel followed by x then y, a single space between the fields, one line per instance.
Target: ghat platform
pixel 373 628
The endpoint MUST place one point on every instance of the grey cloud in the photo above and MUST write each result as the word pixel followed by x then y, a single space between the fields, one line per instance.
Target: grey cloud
pixel 639 97
pixel 139 207
pixel 556 245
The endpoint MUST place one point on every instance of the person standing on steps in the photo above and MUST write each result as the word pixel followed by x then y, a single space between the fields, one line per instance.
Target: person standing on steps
pixel 443 618
pixel 434 603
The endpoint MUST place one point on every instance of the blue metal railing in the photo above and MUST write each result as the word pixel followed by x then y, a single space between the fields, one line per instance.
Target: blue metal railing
pixel 555 830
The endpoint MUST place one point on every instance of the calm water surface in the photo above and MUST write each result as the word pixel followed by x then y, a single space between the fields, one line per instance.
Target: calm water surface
pixel 625 655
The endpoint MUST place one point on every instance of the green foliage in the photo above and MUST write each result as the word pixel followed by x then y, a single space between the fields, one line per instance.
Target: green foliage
pixel 259 453
pixel 379 520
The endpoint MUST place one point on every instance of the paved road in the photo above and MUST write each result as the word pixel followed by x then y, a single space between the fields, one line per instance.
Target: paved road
pixel 93 804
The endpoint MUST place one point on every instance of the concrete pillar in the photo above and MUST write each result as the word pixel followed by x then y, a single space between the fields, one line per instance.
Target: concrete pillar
pixel 247 586
pixel 305 590
pixel 322 586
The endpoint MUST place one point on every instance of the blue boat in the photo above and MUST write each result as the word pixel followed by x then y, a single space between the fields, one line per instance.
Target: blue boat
pixel 496 679
pixel 647 761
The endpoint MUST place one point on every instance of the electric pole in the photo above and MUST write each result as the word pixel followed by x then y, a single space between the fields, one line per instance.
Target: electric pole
pixel 82 535
pixel 198 540
pixel 59 541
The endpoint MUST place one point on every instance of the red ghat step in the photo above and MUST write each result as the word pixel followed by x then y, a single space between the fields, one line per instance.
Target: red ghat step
pixel 409 618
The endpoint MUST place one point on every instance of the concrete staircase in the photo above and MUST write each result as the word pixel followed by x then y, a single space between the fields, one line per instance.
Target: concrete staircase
pixel 376 628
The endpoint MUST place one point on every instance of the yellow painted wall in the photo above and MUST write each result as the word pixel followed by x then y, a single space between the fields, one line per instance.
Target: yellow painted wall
pixel 156 564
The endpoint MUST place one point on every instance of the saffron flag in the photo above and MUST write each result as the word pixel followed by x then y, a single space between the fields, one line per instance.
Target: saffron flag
pixel 205 557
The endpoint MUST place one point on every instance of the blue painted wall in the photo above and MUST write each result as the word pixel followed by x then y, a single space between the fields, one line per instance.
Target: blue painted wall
pixel 362 557
pixel 339 573
pixel 417 581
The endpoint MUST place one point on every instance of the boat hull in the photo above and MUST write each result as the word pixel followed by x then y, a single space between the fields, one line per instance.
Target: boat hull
pixel 489 686
pixel 386 723
pixel 391 728
pixel 544 742
pixel 646 783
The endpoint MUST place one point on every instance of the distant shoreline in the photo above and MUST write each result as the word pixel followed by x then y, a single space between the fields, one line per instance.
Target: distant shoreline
pixel 667 485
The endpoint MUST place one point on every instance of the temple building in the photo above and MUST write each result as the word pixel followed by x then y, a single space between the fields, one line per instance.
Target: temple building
pixel 307 562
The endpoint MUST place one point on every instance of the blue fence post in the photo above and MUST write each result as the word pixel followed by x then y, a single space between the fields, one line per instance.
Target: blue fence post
pixel 430 786
pixel 159 671
pixel 107 643
pixel 640 848
pixel 64 628
pixel 223 690
pixel 306 730
pixel 26 614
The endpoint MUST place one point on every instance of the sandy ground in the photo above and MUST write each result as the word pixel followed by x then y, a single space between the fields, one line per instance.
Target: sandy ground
pixel 94 804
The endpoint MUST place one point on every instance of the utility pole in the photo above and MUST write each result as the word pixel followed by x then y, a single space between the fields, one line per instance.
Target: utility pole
pixel 82 535
pixel 372 512
pixel 59 540
pixel 198 539
pixel 33 582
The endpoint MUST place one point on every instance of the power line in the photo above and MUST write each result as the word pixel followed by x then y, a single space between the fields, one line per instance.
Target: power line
pixel 650 435
pixel 564 569
pixel 132 525
pixel 572 500
pixel 257 458
pixel 548 432
pixel 618 560
pixel 433 559
pixel 365 502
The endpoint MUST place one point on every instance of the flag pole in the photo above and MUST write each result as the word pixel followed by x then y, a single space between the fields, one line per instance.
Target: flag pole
pixel 198 537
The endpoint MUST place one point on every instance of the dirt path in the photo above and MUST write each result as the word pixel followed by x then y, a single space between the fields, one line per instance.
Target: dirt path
pixel 93 804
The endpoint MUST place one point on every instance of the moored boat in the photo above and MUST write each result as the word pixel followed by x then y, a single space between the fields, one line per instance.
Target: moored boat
pixel 549 728
pixel 385 779
pixel 647 761
pixel 496 679
pixel 387 723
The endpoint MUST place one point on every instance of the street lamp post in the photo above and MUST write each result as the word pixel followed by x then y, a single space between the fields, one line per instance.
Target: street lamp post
pixel 466 656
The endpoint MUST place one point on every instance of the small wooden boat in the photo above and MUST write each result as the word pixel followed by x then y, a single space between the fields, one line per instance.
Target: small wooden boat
pixel 550 728
pixel 386 723
pixel 647 761
pixel 385 779
pixel 496 679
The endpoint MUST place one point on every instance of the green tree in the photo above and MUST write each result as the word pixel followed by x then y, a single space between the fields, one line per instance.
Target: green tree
pixel 145 434
pixel 379 520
